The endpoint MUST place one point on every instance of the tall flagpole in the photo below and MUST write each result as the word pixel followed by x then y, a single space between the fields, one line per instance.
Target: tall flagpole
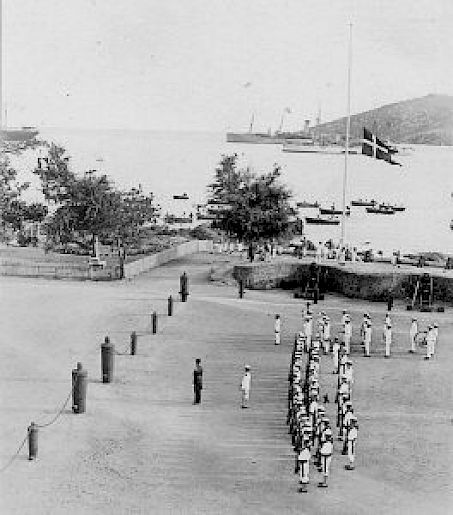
pixel 1 65
pixel 346 149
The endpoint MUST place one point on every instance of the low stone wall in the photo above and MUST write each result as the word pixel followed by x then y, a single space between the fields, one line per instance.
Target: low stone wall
pixel 28 268
pixel 358 282
pixel 53 268
pixel 147 263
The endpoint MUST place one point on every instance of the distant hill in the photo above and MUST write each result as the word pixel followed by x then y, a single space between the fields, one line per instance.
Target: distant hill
pixel 427 120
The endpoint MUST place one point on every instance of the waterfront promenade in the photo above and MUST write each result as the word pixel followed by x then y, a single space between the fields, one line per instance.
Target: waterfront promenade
pixel 142 447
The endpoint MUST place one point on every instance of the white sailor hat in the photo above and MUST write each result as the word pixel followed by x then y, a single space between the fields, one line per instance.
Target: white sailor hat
pixel 349 361
pixel 414 319
pixel 430 326
pixel 322 409
pixel 247 367
pixel 328 432
pixel 435 325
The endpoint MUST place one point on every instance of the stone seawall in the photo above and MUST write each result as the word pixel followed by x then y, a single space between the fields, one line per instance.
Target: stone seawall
pixel 368 281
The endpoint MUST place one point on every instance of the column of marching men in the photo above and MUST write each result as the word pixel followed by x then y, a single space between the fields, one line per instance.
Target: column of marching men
pixel 311 430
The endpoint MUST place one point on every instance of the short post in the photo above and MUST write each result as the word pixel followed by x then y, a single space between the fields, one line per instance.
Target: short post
pixel 390 302
pixel 79 389
pixel 170 306
pixel 107 360
pixel 154 321
pixel 315 296
pixel 133 343
pixel 32 441
pixel 241 288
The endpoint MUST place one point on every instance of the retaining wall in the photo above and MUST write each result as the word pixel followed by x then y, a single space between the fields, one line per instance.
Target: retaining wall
pixel 52 267
pixel 357 282
pixel 147 263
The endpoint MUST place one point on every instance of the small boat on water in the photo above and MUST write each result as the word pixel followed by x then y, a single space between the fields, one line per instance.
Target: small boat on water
pixel 184 196
pixel 306 204
pixel 398 208
pixel 333 211
pixel 318 220
pixel 363 203
pixel 381 210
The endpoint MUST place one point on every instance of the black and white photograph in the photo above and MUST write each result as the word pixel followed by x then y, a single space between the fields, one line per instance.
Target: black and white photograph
pixel 226 257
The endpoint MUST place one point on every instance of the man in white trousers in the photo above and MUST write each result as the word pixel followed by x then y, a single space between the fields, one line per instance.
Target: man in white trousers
pixel 351 442
pixel 245 387
pixel 347 334
pixel 387 339
pixel 412 334
pixel 430 342
pixel 277 329
pixel 367 339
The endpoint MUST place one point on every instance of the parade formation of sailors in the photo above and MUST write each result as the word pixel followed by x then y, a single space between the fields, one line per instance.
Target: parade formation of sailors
pixel 309 424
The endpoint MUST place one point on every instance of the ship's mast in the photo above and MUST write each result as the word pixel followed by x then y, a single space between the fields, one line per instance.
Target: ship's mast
pixel 346 148
pixel 1 65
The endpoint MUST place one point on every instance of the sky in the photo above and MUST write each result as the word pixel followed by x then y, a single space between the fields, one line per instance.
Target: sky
pixel 207 65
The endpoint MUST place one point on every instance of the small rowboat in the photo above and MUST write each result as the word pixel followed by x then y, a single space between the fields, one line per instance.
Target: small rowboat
pixel 363 203
pixel 381 210
pixel 184 196
pixel 333 211
pixel 321 221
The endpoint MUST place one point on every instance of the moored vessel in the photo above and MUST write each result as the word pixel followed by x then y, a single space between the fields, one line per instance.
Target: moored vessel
pixel 318 220
pixel 381 210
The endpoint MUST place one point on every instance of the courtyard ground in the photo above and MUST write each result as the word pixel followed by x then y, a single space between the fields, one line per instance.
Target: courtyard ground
pixel 142 447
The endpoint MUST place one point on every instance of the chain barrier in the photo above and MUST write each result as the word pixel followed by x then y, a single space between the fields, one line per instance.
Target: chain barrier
pixel 15 455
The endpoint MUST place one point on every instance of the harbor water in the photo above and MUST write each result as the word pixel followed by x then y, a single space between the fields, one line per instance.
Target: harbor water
pixel 169 163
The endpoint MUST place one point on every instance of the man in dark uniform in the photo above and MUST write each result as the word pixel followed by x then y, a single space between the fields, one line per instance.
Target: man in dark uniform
pixel 197 381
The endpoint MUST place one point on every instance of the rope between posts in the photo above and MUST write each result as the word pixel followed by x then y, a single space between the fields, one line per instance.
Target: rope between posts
pixel 60 411
pixel 15 455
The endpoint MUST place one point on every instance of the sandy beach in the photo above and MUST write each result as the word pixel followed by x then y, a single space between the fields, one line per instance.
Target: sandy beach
pixel 142 447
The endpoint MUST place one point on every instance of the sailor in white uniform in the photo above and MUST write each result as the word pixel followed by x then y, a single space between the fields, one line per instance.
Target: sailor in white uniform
pixel 326 458
pixel 347 334
pixel 277 328
pixel 367 339
pixel 387 339
pixel 351 442
pixel 412 334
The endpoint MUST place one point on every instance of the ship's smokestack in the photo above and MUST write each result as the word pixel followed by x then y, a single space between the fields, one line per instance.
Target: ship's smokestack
pixel 307 125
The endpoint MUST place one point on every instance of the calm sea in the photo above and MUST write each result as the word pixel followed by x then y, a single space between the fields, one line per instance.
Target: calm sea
pixel 170 163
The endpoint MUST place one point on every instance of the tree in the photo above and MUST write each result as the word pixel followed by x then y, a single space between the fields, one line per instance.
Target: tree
pixel 248 206
pixel 90 205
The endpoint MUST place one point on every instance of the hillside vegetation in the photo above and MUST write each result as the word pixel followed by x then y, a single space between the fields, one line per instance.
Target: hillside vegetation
pixel 427 120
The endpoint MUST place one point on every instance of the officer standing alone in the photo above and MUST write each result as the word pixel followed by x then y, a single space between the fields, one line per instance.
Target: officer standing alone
pixel 197 381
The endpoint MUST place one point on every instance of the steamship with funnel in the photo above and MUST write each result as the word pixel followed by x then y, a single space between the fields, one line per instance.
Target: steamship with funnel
pixel 279 137
pixel 12 135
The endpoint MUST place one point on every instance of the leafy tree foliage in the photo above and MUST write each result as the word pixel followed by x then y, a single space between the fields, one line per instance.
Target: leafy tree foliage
pixel 90 205
pixel 248 206
pixel 13 210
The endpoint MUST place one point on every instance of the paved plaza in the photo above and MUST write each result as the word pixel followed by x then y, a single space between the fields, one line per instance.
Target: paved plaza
pixel 143 447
